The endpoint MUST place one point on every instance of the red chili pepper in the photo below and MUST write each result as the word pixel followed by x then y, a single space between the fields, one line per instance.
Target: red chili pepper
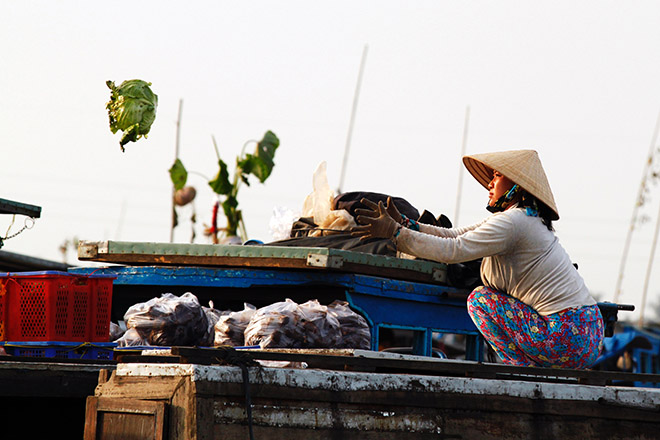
pixel 214 221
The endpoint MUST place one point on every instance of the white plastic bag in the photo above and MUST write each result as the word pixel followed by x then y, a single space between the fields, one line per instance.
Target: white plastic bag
pixel 318 205
pixel 289 325
pixel 230 329
pixel 276 326
pixel 132 338
pixel 319 202
pixel 320 327
pixel 116 331
pixel 168 320
pixel 355 331
pixel 281 222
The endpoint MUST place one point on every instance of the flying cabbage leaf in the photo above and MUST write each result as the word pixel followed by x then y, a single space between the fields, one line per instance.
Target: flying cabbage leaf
pixel 131 109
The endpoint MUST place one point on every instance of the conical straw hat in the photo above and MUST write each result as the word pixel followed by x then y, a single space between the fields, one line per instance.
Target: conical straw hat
pixel 521 166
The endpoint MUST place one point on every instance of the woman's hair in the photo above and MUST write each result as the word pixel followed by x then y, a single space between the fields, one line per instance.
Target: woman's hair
pixel 545 213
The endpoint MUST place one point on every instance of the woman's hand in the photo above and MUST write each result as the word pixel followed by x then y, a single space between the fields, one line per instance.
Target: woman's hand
pixel 376 223
pixel 373 209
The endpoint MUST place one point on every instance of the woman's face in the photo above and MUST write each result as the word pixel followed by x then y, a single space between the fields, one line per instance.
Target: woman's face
pixel 498 187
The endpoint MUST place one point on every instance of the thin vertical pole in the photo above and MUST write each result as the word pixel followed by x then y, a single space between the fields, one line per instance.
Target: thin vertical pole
pixel 638 204
pixel 648 270
pixel 352 120
pixel 459 190
pixel 176 156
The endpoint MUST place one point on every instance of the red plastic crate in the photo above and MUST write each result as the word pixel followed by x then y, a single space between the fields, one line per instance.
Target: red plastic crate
pixel 55 306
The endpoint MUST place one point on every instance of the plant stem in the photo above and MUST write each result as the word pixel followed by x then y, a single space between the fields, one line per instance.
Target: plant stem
pixel 215 145
pixel 241 225
pixel 176 156
pixel 199 174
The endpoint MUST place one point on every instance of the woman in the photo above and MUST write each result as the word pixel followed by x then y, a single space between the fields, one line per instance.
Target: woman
pixel 534 308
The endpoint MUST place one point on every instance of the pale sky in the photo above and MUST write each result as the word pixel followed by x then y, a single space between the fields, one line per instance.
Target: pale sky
pixel 577 81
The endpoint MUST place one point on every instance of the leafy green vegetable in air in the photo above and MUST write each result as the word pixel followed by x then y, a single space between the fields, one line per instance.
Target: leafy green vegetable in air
pixel 131 109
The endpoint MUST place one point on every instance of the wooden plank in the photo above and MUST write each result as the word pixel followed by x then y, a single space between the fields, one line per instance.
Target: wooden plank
pixel 430 366
pixel 212 261
pixel 265 393
pixel 119 419
pixel 317 259
pixel 412 408
pixel 155 388
pixel 56 360
pixel 392 414
pixel 199 260
pixel 383 421
pixel 149 359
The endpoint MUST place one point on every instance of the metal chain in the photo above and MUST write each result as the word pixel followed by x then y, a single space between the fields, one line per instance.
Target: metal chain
pixel 25 226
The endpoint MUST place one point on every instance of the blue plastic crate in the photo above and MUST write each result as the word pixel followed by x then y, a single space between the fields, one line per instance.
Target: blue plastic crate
pixel 61 350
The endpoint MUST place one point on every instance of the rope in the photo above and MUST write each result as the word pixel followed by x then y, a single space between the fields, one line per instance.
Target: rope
pixel 229 355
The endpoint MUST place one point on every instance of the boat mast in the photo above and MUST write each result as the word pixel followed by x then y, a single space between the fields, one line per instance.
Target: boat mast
pixel 638 203
pixel 459 189
pixel 352 120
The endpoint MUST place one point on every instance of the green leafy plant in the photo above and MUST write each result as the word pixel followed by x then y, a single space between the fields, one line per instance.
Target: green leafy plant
pixel 259 164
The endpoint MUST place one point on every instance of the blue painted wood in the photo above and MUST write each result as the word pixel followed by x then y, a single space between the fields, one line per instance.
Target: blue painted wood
pixel 438 314
pixel 384 302
pixel 213 277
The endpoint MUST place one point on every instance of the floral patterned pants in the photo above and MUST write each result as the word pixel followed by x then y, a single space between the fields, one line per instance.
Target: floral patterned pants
pixel 572 338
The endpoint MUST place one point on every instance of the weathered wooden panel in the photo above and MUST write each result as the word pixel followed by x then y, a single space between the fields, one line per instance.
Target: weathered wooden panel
pixel 124 419
pixel 309 419
pixel 366 360
pixel 282 421
pixel 316 404
pixel 168 254
pixel 152 388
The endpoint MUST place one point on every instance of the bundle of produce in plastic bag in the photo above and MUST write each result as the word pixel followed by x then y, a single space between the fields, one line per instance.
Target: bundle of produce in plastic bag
pixel 230 328
pixel 289 325
pixel 354 328
pixel 167 321
pixel 320 328
pixel 116 331
pixel 275 326
pixel 132 338
pixel 213 316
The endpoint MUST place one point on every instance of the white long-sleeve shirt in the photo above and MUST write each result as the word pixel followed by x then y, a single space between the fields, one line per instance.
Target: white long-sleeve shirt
pixel 521 257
